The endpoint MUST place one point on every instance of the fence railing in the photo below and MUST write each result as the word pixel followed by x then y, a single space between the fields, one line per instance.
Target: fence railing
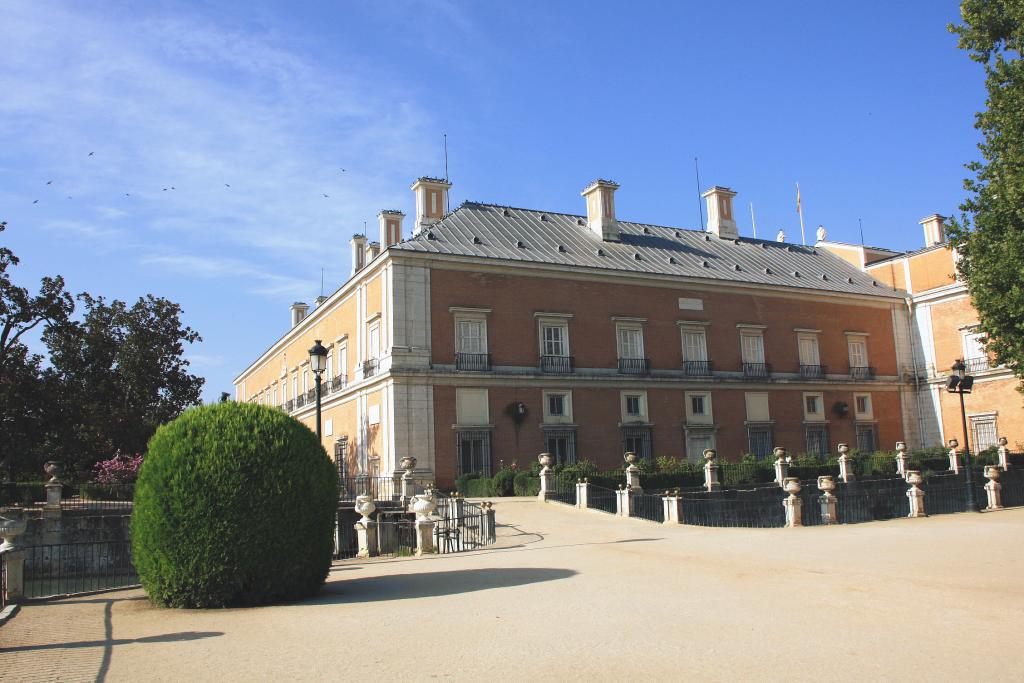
pixel 396 535
pixel 115 498
pixel 466 530
pixel 600 498
pixel 70 568
pixel 862 372
pixel 473 361
pixel 762 370
pixel 697 368
pixel 647 506
pixel 380 488
pixel 813 371
pixel 634 366
pixel 556 364
pixel 563 490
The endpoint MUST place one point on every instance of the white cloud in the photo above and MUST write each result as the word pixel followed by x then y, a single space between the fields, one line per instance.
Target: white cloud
pixel 254 279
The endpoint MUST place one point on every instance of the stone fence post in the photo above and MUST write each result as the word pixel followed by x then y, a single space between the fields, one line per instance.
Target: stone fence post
pixel 408 483
pixel 13 558
pixel 673 507
pixel 623 501
pixel 582 494
pixel 632 472
pixel 366 528
pixel 547 476
pixel 954 457
pixel 993 488
pixel 490 530
pixel 827 499
pixel 846 474
pixel 423 505
pixel 1004 454
pixel 792 503
pixel 54 487
pixel 915 494
pixel 902 460
pixel 711 469
pixel 781 466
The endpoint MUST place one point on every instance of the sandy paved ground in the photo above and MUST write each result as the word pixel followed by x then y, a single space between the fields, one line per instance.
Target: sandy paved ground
pixel 579 595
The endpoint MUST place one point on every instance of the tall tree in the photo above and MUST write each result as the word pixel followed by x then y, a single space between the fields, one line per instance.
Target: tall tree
pixel 989 237
pixel 122 374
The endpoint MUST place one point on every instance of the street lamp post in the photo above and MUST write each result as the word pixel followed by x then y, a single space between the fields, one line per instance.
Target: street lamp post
pixel 317 363
pixel 961 383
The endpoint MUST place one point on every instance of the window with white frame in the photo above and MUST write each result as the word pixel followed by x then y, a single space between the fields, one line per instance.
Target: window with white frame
pixel 343 360
pixel 329 370
pixel 295 384
pixel 862 409
pixel 752 346
pixel 471 335
pixel 554 339
pixel 305 380
pixel 698 407
pixel 695 345
pixel 698 441
pixel 983 429
pixel 630 340
pixel 973 344
pixel 814 407
pixel 373 342
pixel 557 407
pixel 276 402
pixel 807 343
pixel 857 346
pixel 634 406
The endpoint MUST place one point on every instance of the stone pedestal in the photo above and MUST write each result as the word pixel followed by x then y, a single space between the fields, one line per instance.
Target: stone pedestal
pixel 623 501
pixel 711 480
pixel 12 557
pixel 993 488
pixel 792 503
pixel 902 459
pixel 827 500
pixel 366 535
pixel 915 494
pixel 53 495
pixel 582 494
pixel 1004 453
pixel 425 537
pixel 846 474
pixel 954 457
pixel 673 507
pixel 632 472
pixel 547 476
pixel 781 465
pixel 490 529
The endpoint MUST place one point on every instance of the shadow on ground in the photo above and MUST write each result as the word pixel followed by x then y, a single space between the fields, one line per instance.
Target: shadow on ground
pixel 432 584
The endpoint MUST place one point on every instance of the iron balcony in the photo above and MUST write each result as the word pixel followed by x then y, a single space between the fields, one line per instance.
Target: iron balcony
pixel 757 370
pixel 634 366
pixel 813 371
pixel 557 364
pixel 862 372
pixel 697 368
pixel 480 362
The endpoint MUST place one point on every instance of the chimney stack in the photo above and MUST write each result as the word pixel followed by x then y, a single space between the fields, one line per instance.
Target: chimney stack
pixel 372 251
pixel 358 243
pixel 318 302
pixel 720 220
pixel 299 310
pixel 390 227
pixel 933 230
pixel 431 201
pixel 600 197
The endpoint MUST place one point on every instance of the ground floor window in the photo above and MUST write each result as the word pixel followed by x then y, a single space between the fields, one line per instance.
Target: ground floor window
pixel 984 429
pixel 637 440
pixel 474 449
pixel 817 440
pixel 759 441
pixel 698 441
pixel 561 444
pixel 867 438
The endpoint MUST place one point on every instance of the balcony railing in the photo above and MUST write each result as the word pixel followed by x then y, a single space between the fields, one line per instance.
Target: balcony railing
pixel 862 372
pixel 978 364
pixel 697 368
pixel 557 364
pixel 370 367
pixel 288 405
pixel 813 371
pixel 757 370
pixel 337 383
pixel 473 361
pixel 311 395
pixel 300 401
pixel 634 366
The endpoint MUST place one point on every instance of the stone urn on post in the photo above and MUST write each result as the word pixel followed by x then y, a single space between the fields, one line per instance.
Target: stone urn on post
pixel 632 471
pixel 781 465
pixel 547 484
pixel 915 494
pixel 365 507
pixel 408 484
pixel 54 487
pixel 993 488
pixel 711 468
pixel 954 457
pixel 1004 454
pixel 792 503
pixel 827 499
pixel 10 529
pixel 901 458
pixel 13 558
pixel 845 464
pixel 366 529
pixel 424 505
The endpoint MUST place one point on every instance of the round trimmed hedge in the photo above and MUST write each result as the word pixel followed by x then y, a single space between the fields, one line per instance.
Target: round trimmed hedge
pixel 235 505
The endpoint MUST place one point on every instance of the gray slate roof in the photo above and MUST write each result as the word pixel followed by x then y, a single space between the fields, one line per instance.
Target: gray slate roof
pixel 522 235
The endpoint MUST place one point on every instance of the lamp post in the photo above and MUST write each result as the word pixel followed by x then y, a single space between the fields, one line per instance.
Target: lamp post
pixel 961 383
pixel 317 363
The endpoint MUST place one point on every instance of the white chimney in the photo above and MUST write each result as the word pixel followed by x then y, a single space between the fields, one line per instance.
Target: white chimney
pixel 390 227
pixel 299 310
pixel 720 220
pixel 431 202
pixel 358 243
pixel 600 197
pixel 372 251
pixel 318 302
pixel 933 230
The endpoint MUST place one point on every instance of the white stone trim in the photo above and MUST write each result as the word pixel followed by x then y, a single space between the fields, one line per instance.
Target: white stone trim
pixel 468 310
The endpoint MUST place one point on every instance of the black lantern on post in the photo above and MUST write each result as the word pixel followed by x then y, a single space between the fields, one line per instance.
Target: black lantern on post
pixel 961 383
pixel 317 363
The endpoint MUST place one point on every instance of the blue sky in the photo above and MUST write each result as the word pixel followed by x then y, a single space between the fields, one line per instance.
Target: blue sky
pixel 869 106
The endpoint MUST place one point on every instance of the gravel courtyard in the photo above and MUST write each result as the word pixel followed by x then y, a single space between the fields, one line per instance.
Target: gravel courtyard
pixel 574 595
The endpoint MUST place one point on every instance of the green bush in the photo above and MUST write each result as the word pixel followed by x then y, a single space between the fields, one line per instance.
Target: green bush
pixel 235 505
pixel 478 488
pixel 526 483
pixel 94 491
pixel 462 481
pixel 503 483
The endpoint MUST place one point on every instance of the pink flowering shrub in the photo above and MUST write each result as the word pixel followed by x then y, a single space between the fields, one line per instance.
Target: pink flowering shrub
pixel 120 469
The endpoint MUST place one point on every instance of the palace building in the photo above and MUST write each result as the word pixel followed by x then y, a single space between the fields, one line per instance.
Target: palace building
pixel 493 333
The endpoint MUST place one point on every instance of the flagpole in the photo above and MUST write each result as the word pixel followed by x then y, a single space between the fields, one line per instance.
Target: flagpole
pixel 800 210
pixel 753 221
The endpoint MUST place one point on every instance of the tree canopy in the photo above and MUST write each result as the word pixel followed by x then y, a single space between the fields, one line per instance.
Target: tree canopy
pixel 989 237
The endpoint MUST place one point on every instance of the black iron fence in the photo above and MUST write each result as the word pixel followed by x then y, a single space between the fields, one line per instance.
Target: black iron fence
pixel 396 535
pixel 69 568
pixel 465 529
pixel 761 370
pixel 634 366
pixel 480 362
pixel 735 508
pixel 563 490
pixel 647 506
pixel 813 371
pixel 697 368
pixel 600 498
pixel 556 364
pixel 862 372
pixel 102 498
pixel 380 488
